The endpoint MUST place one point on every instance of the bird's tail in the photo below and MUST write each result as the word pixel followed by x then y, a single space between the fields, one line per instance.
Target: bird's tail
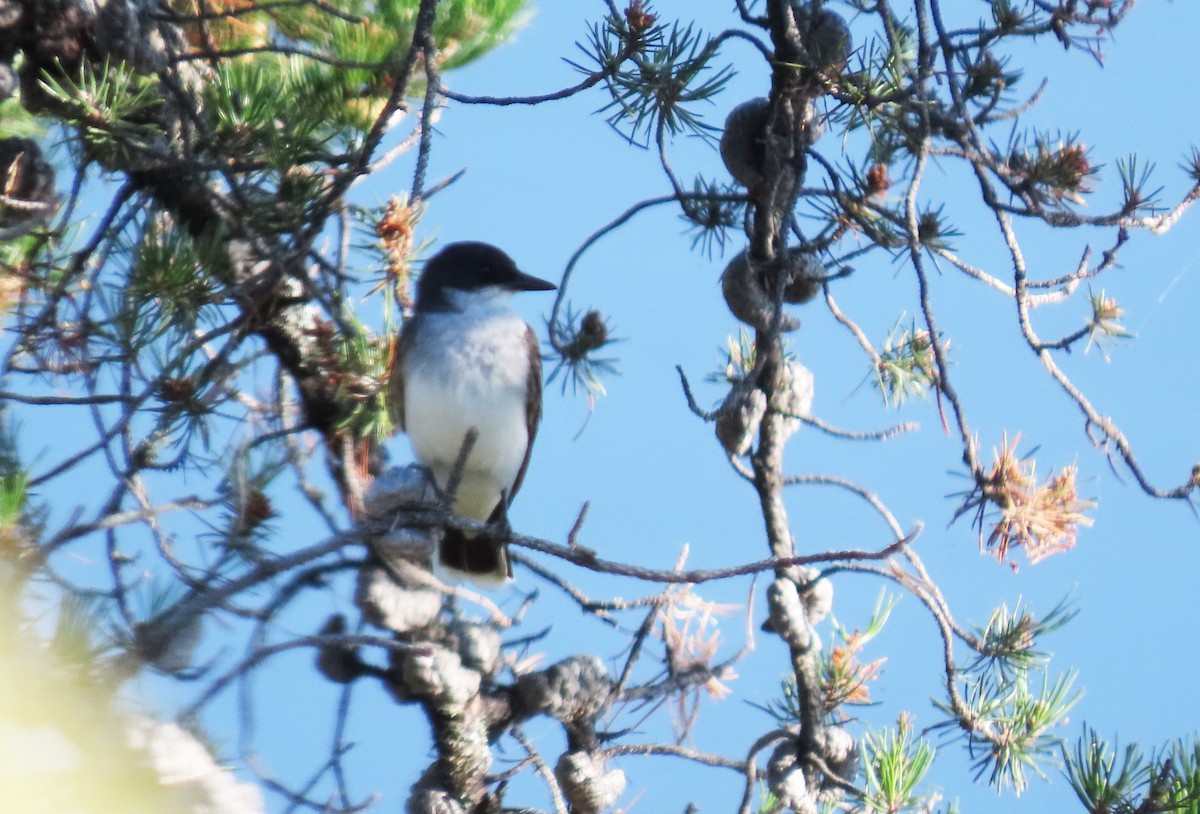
pixel 480 558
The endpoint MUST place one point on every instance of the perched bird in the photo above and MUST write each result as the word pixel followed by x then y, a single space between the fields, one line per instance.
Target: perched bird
pixel 467 361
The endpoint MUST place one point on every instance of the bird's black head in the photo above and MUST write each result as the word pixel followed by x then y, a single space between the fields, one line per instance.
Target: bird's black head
pixel 471 266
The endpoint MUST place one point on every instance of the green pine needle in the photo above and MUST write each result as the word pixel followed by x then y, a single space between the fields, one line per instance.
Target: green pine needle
pixel 894 765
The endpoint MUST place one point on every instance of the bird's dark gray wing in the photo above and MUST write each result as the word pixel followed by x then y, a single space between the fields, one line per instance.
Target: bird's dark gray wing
pixel 533 404
pixel 396 376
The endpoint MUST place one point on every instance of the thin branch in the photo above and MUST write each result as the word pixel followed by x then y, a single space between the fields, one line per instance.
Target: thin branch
pixel 102 398
pixel 852 435
pixel 285 50
pixel 707 415
pixel 556 794
pixel 670 750
pixel 230 13
pixel 588 559
pixel 850 486
pixel 751 767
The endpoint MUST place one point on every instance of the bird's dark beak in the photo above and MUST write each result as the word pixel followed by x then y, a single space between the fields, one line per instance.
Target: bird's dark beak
pixel 527 282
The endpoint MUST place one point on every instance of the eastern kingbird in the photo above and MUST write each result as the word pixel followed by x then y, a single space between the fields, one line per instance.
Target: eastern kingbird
pixel 468 361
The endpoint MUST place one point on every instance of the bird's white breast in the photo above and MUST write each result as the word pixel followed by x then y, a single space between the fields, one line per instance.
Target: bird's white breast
pixel 469 369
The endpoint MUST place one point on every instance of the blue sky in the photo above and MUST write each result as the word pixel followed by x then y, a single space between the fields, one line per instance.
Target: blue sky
pixel 540 180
